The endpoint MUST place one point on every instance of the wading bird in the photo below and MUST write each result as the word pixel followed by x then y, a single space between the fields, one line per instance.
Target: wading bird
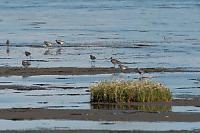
pixel 27 53
pixel 122 67
pixel 92 58
pixel 114 61
pixel 140 71
pixel 7 42
pixel 59 42
pixel 48 43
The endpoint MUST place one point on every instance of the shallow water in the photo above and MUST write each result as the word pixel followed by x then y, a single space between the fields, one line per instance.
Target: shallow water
pixel 93 20
pixel 51 99
pixel 153 33
pixel 71 91
pixel 195 109
pixel 79 57
pixel 161 32
pixel 96 125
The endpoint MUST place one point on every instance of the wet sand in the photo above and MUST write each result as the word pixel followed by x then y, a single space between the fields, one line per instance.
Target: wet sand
pixel 21 71
pixel 108 115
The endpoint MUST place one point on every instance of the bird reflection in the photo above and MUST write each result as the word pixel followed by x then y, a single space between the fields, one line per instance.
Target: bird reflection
pixel 8 50
pixel 115 76
pixel 25 76
pixel 26 63
pixel 59 51
pixel 48 52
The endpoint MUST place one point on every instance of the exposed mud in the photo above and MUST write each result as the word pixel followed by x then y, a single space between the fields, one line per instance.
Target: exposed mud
pixel 21 71
pixel 108 115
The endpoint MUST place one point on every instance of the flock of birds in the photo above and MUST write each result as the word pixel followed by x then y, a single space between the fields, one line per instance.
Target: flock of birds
pixel 26 63
pixel 117 62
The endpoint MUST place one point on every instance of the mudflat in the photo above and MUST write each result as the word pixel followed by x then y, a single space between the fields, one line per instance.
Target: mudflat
pixel 108 115
pixel 21 71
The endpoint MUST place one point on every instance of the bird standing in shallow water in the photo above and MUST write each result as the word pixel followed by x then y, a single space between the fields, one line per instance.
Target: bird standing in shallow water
pixel 48 43
pixel 92 57
pixel 114 61
pixel 140 71
pixel 122 67
pixel 27 53
pixel 59 42
pixel 7 42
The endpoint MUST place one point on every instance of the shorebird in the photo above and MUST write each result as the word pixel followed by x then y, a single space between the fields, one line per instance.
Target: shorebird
pixel 26 63
pixel 122 67
pixel 92 57
pixel 7 42
pixel 27 53
pixel 59 42
pixel 140 71
pixel 114 61
pixel 48 43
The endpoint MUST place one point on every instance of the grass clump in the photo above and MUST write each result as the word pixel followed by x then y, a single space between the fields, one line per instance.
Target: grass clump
pixel 130 91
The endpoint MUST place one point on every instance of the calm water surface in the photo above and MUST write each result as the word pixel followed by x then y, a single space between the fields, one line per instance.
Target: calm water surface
pixel 96 125
pixel 153 33
pixel 140 33
pixel 165 31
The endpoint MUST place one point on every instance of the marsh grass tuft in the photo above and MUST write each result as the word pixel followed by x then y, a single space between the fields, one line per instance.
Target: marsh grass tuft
pixel 130 91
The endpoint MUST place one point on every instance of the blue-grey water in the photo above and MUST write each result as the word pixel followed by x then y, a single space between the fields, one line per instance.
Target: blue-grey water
pixel 164 30
pixel 139 33
pixel 97 125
